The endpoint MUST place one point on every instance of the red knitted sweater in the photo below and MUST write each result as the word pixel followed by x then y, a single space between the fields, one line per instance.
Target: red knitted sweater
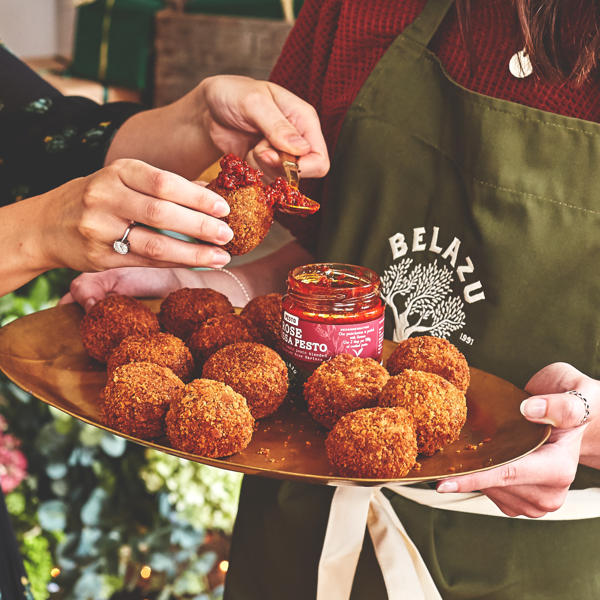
pixel 336 43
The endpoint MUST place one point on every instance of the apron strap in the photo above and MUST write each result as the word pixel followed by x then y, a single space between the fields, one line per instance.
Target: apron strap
pixel 425 26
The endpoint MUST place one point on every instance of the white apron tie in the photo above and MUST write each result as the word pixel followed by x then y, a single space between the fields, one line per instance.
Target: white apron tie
pixel 354 509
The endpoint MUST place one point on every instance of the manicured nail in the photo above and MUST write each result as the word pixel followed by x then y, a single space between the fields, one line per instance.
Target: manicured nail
pixel 447 486
pixel 220 258
pixel 534 408
pixel 220 208
pixel 89 303
pixel 224 233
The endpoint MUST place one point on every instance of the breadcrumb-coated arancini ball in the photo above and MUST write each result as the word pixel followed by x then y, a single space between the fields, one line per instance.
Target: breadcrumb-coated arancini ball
pixel 137 397
pixel 264 312
pixel 377 443
pixel 209 419
pixel 184 309
pixel 439 409
pixel 161 349
pixel 217 333
pixel 250 216
pixel 112 319
pixel 431 354
pixel 341 385
pixel 253 370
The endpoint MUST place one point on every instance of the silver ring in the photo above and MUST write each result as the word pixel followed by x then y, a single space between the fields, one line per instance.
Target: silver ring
pixel 586 404
pixel 122 246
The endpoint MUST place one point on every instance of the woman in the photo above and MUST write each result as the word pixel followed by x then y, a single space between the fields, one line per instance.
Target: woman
pixel 69 210
pixel 452 154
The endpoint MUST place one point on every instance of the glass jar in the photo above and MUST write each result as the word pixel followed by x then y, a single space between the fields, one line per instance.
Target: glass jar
pixel 331 309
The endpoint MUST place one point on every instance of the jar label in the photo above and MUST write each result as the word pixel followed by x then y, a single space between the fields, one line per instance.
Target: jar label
pixel 315 342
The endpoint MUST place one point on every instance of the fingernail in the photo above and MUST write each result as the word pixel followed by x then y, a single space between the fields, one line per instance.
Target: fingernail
pixel 89 303
pixel 298 141
pixel 220 208
pixel 447 486
pixel 534 408
pixel 224 233
pixel 220 258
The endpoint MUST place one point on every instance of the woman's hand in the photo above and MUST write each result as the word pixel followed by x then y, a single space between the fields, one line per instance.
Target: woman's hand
pixel 226 113
pixel 244 116
pixel 262 276
pixel 538 483
pixel 84 217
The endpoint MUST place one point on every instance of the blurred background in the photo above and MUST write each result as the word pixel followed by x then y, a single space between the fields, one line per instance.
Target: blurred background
pixel 97 517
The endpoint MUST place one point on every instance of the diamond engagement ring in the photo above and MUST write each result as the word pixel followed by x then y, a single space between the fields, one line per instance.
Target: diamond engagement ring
pixel 586 404
pixel 122 246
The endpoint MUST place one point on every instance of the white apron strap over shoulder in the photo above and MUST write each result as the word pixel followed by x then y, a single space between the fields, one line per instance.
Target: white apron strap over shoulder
pixel 354 509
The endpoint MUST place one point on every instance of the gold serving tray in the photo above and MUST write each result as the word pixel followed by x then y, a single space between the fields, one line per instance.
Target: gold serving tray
pixel 42 353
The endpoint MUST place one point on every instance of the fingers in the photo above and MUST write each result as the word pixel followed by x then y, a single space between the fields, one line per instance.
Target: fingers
pixel 552 465
pixel 266 115
pixel 163 214
pixel 163 185
pixel 551 404
pixel 563 411
pixel 88 288
pixel 148 248
pixel 527 500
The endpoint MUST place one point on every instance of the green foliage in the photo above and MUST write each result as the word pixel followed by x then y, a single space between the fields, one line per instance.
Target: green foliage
pixel 100 508
pixel 204 496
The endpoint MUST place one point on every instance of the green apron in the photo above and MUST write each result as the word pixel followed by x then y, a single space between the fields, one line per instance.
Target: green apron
pixel 482 218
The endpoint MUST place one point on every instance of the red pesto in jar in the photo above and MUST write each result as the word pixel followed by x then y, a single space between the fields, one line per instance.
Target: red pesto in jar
pixel 331 309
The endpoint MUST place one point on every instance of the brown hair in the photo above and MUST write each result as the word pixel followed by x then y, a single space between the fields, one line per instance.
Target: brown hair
pixel 561 37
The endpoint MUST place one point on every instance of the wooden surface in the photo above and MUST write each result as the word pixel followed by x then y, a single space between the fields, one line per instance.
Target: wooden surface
pixel 43 354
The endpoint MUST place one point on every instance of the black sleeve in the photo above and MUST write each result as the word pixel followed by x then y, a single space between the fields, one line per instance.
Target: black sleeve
pixel 46 138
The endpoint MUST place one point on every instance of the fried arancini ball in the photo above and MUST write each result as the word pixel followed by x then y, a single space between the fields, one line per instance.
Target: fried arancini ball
pixel 184 309
pixel 250 216
pixel 161 349
pixel 439 409
pixel 209 419
pixel 264 312
pixel 137 396
pixel 218 332
pixel 112 319
pixel 431 354
pixel 341 385
pixel 250 207
pixel 253 370
pixel 377 443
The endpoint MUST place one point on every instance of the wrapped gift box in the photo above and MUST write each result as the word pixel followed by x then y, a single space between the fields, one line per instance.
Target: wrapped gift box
pixel 114 42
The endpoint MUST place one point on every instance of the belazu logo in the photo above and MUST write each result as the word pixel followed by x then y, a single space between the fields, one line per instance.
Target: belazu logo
pixel 429 297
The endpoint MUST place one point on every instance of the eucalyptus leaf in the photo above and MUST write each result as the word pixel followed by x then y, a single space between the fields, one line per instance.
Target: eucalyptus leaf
pixel 56 470
pixel 113 445
pixel 52 515
pixel 91 511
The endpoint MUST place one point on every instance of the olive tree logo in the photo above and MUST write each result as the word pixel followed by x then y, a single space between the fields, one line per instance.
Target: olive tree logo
pixel 424 301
